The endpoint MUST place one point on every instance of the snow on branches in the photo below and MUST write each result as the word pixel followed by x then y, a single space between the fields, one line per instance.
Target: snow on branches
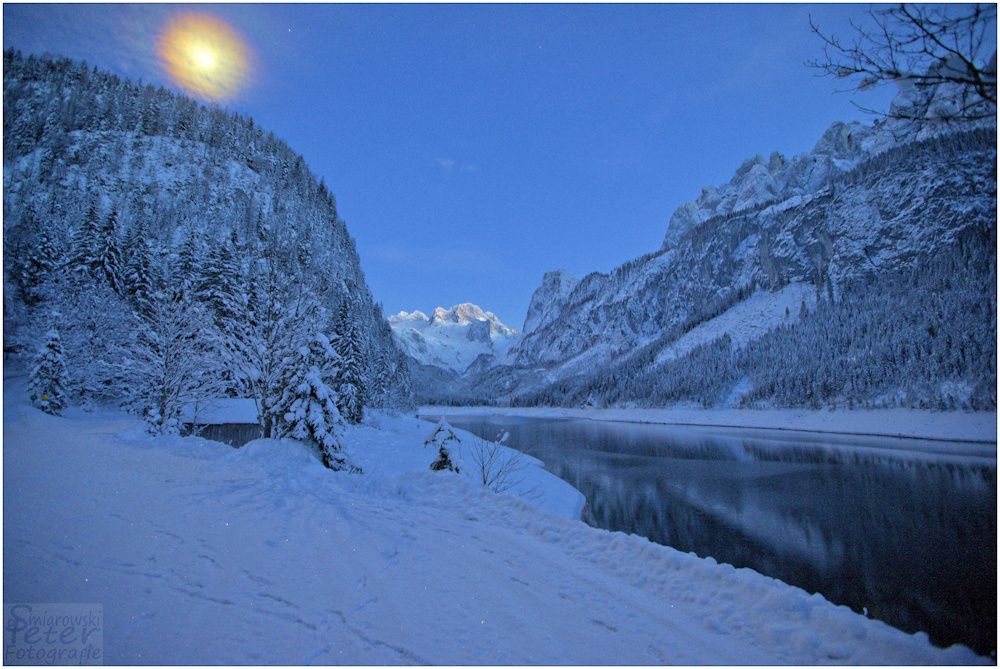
pixel 307 410
pixel 48 378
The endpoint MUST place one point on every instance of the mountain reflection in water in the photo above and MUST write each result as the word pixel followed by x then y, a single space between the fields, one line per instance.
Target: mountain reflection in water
pixel 906 530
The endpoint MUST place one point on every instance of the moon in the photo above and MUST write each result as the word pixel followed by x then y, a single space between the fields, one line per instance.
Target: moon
pixel 205 57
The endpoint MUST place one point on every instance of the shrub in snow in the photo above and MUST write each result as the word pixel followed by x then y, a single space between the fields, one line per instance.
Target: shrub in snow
pixel 307 410
pixel 443 436
pixel 48 379
pixel 497 467
pixel 443 461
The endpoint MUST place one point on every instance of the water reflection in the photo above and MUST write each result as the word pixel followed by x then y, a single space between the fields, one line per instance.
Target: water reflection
pixel 910 537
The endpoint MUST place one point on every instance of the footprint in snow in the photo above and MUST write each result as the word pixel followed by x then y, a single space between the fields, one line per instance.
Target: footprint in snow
pixel 603 624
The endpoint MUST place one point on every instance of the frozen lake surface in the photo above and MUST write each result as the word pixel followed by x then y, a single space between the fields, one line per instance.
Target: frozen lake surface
pixel 903 529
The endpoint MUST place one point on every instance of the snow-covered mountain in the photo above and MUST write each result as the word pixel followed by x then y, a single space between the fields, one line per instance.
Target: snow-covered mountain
pixel 827 229
pixel 548 299
pixel 129 209
pixel 451 339
pixel 915 115
pixel 760 181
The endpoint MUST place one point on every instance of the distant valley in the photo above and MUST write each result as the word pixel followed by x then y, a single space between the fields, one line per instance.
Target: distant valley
pixel 859 274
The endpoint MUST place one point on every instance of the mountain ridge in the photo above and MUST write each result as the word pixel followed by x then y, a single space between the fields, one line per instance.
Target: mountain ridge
pixel 451 339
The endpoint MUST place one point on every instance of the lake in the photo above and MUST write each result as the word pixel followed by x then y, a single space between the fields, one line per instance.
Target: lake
pixel 902 530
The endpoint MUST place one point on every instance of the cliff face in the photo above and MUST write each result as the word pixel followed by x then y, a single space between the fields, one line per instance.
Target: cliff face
pixel 862 272
pixel 759 182
pixel 548 299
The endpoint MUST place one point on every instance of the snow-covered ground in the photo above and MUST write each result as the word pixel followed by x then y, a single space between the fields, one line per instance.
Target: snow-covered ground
pixel 745 321
pixel 204 554
pixel 978 427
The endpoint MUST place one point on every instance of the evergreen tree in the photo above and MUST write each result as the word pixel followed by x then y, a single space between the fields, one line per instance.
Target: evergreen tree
pixel 379 378
pixel 308 407
pixel 38 268
pixel 350 382
pixel 110 255
pixel 85 244
pixel 271 315
pixel 220 275
pixel 139 273
pixel 189 265
pixel 444 438
pixel 48 379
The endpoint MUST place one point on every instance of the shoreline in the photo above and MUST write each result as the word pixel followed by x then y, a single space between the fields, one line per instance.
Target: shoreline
pixel 964 427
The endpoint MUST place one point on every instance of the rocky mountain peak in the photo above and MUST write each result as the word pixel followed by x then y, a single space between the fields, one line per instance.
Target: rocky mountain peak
pixel 461 314
pixel 759 181
pixel 548 299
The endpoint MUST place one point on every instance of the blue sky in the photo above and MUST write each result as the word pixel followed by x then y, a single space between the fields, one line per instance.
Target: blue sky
pixel 472 148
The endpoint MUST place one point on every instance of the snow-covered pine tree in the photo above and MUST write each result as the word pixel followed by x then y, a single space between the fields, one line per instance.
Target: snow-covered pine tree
pixel 85 244
pixel 350 382
pixel 48 379
pixel 307 410
pixel 270 313
pixel 443 461
pixel 189 265
pixel 400 388
pixel 378 381
pixel 220 274
pixel 38 267
pixel 139 279
pixel 110 258
pixel 444 438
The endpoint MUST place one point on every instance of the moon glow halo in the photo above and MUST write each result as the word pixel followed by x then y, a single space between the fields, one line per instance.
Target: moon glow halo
pixel 204 57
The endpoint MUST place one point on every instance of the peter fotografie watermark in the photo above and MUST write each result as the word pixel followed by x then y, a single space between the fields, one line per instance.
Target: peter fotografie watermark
pixel 54 634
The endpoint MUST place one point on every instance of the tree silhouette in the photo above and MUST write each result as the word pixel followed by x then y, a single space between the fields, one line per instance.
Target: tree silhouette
pixel 924 46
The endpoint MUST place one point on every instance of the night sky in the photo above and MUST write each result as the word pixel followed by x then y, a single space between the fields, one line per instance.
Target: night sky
pixel 472 148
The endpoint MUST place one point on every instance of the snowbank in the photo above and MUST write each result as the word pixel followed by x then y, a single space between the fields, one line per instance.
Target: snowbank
pixel 201 554
pixel 979 427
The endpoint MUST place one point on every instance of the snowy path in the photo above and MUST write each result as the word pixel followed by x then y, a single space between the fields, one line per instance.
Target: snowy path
pixel 201 554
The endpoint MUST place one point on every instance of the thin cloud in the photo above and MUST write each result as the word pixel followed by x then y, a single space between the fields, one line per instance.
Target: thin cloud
pixel 450 164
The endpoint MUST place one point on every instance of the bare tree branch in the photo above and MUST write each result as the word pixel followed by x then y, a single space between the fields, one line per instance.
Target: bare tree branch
pixel 497 467
pixel 925 46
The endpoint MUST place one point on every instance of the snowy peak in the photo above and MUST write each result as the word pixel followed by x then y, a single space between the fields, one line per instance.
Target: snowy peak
pixel 451 338
pixel 467 314
pixel 843 141
pixel 548 299
pixel 462 314
pixel 921 112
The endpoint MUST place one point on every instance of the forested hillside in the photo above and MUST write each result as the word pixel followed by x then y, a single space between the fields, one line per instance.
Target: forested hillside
pixel 176 253
pixel 900 253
